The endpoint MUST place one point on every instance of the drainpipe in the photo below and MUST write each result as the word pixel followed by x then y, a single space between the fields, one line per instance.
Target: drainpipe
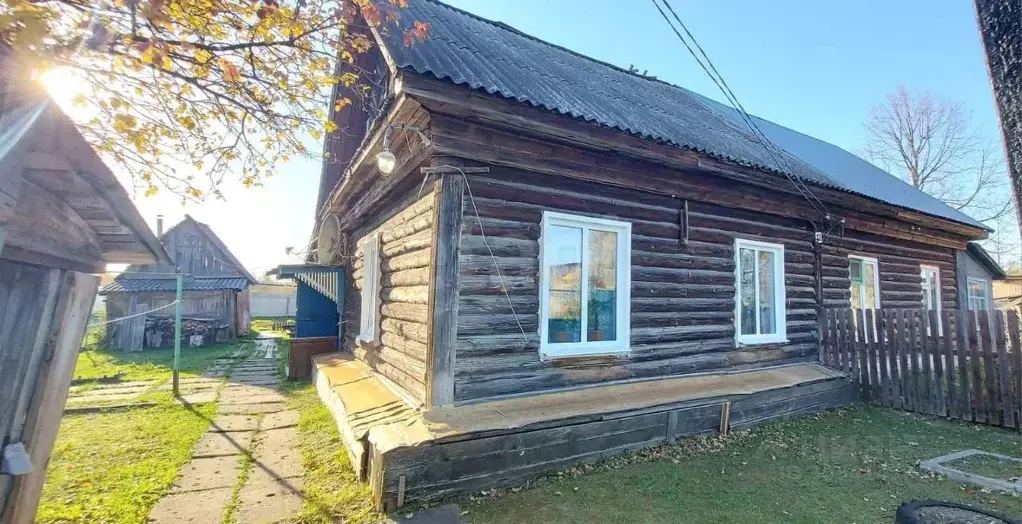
pixel 159 226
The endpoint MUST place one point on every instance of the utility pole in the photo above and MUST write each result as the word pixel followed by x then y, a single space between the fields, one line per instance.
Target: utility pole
pixel 177 333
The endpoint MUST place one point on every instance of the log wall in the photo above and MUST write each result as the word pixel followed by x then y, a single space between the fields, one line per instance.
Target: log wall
pixel 405 224
pixel 682 308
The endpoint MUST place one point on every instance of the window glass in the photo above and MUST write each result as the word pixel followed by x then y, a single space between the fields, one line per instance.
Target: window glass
pixel 766 292
pixel 977 294
pixel 602 311
pixel 585 285
pixel 565 281
pixel 748 290
pixel 759 294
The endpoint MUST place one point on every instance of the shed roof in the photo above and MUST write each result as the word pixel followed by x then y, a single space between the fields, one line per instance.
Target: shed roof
pixel 163 283
pixel 489 56
pixel 45 146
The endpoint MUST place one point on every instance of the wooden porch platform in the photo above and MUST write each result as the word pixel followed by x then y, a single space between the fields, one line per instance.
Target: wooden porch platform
pixel 408 454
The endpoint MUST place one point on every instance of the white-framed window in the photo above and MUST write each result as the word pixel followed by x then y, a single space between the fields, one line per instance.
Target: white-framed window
pixel 930 276
pixel 585 285
pixel 977 292
pixel 759 292
pixel 370 308
pixel 864 274
pixel 864 277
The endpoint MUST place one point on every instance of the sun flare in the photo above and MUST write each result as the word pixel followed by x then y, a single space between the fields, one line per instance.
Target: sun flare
pixel 62 84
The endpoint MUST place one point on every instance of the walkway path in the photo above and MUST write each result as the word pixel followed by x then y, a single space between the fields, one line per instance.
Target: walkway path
pixel 247 464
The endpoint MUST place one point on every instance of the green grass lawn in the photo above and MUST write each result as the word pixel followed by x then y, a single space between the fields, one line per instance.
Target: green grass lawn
pixel 855 465
pixel 114 466
pixel 332 494
pixel 148 364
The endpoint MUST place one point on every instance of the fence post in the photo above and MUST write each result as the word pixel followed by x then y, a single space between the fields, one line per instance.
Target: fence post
pixel 947 355
pixel 1003 371
pixel 962 355
pixel 177 334
pixel 1016 348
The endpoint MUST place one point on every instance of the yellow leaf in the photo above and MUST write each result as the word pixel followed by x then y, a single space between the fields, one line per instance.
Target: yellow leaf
pixel 202 56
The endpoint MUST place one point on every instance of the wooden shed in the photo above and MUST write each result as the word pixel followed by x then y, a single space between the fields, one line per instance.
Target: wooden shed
pixel 215 297
pixel 567 260
pixel 63 217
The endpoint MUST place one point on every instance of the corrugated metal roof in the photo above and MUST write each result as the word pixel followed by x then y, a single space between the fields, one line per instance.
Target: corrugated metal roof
pixel 498 59
pixel 137 284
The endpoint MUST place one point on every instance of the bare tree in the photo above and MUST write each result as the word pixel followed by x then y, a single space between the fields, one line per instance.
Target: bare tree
pixel 931 144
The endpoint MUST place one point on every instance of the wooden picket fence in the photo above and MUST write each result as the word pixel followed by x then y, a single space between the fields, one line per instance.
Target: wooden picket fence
pixel 925 362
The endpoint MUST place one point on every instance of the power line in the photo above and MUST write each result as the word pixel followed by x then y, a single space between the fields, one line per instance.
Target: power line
pixel 775 152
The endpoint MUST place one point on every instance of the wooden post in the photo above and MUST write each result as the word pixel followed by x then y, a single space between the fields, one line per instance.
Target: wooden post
pixel 177 333
pixel 1016 348
pixel 962 333
pixel 947 353
pixel 444 286
pixel 989 375
pixel 1003 371
pixel 51 392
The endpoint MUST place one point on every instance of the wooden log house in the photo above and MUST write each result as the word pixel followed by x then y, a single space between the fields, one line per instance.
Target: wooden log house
pixel 215 296
pixel 567 260
pixel 63 217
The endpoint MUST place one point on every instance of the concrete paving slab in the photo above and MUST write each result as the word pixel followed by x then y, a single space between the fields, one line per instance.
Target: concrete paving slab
pixel 234 423
pixel 214 444
pixel 265 398
pixel 282 419
pixel 91 399
pixel 245 389
pixel 256 382
pixel 249 409
pixel 194 506
pixel 277 453
pixel 208 473
pixel 201 397
pixel 265 498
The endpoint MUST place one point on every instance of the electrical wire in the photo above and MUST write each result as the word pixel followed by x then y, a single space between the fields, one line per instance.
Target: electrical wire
pixel 482 234
pixel 105 322
pixel 771 149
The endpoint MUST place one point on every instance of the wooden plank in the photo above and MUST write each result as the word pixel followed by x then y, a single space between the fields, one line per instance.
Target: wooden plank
pixel 976 362
pixel 989 375
pixel 882 343
pixel 937 363
pixel 947 352
pixel 962 362
pixel 1016 349
pixel 900 334
pixel 826 338
pixel 444 288
pixel 862 356
pixel 927 335
pixel 890 324
pixel 44 417
pixel 871 354
pixel 1003 369
pixel 915 368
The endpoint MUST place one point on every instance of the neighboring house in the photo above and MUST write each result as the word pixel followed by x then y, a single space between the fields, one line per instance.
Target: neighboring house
pixel 215 303
pixel 63 217
pixel 977 273
pixel 1008 293
pixel 567 239
pixel 272 300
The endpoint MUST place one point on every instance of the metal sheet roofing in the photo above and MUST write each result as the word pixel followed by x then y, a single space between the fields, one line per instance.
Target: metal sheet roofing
pixel 498 59
pixel 143 284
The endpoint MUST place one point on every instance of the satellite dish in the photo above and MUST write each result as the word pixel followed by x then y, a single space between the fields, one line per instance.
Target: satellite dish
pixel 328 244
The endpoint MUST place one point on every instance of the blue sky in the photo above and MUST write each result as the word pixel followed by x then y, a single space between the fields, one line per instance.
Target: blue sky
pixel 815 67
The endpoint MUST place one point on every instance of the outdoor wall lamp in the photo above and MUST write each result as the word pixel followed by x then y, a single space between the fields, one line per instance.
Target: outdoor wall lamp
pixel 386 161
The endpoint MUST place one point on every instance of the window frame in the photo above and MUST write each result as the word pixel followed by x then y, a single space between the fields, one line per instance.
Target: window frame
pixel 936 282
pixel 622 343
pixel 780 299
pixel 986 293
pixel 876 281
pixel 369 309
